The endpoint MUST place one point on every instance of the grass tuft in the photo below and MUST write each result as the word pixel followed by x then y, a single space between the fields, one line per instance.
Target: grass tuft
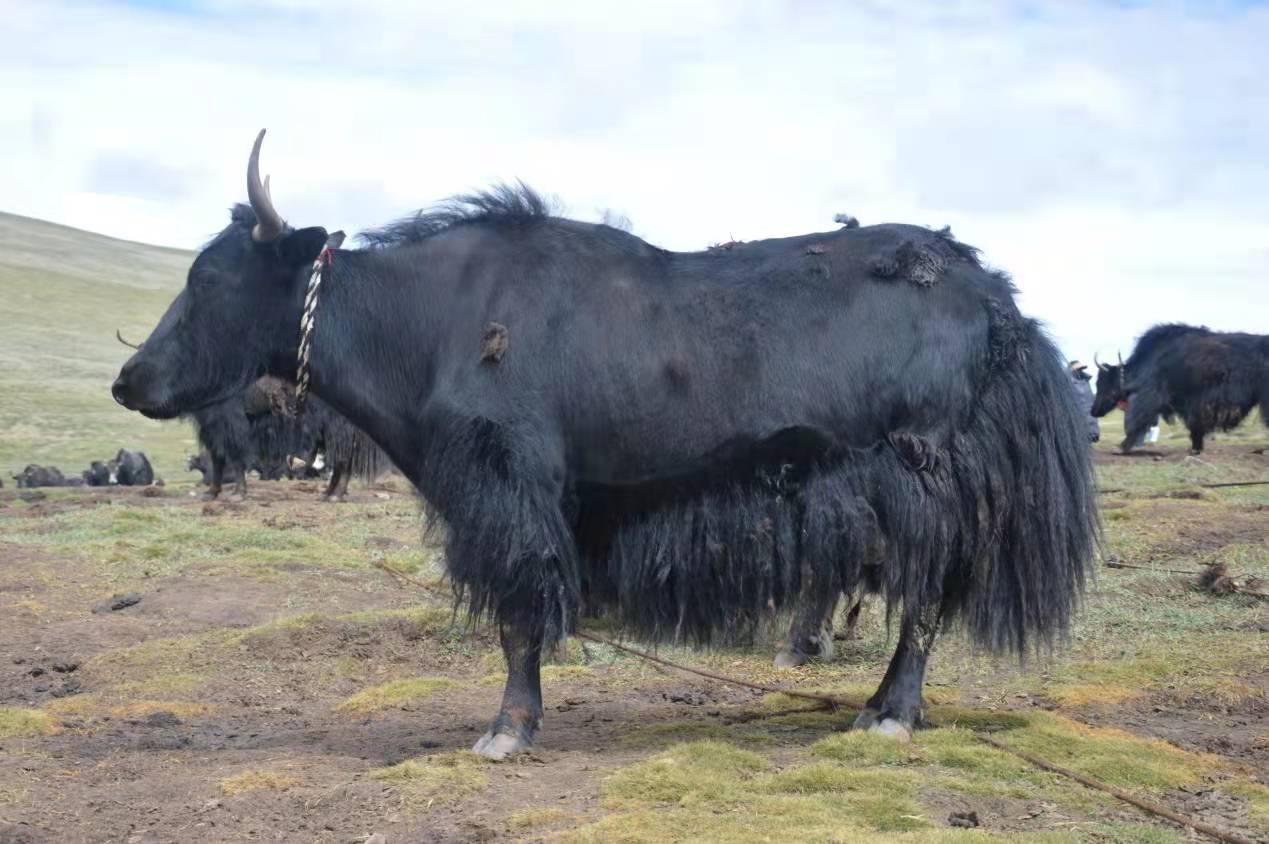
pixel 702 772
pixel 23 723
pixel 257 781
pixel 536 819
pixel 439 779
pixel 394 694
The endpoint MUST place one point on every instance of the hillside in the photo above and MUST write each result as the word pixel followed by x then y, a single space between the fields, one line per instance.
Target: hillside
pixel 65 291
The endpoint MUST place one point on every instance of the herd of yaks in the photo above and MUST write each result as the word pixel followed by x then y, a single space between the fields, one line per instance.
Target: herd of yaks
pixel 258 432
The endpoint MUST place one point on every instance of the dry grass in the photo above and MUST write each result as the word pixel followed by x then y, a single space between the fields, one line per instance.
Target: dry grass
pixel 438 779
pixel 257 781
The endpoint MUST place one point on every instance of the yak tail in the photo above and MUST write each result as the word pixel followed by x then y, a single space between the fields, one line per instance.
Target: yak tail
pixel 1030 525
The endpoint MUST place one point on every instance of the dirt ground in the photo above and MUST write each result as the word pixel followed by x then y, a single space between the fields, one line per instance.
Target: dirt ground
pixel 179 671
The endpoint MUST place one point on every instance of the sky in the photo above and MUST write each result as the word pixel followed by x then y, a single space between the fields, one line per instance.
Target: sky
pixel 1112 156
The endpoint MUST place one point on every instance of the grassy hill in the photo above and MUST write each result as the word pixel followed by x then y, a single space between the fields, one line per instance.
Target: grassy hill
pixel 65 291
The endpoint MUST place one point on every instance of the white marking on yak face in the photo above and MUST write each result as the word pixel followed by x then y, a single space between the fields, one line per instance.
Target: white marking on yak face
pixel 114 477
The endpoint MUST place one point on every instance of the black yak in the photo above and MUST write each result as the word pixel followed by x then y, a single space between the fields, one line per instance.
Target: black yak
pixel 98 474
pixel 131 468
pixel 1211 380
pixel 128 468
pixel 683 440
pixel 34 476
pixel 260 431
pixel 234 443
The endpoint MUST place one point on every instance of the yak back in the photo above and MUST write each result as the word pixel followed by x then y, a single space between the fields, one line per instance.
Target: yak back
pixel 647 365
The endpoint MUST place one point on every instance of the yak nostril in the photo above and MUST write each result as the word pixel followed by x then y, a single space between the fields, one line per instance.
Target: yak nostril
pixel 120 391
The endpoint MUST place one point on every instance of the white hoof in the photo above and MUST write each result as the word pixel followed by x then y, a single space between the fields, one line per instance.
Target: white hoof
pixel 789 658
pixel 891 728
pixel 499 746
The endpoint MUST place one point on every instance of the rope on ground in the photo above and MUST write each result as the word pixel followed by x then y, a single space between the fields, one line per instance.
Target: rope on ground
pixel 834 702
pixel 831 701
pixel 402 577
pixel 1145 805
pixel 1110 564
pixel 1201 486
pixel 1215 579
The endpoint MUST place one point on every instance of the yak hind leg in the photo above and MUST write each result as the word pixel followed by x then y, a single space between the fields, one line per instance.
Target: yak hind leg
pixel 216 482
pixel 856 603
pixel 811 634
pixel 520 715
pixel 240 486
pixel 897 708
pixel 337 489
pixel 1196 440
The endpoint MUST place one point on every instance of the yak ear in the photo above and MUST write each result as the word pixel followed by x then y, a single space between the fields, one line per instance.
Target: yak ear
pixel 303 245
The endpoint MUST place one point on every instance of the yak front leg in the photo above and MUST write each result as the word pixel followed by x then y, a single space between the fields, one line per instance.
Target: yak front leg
pixel 897 708
pixel 1196 439
pixel 521 713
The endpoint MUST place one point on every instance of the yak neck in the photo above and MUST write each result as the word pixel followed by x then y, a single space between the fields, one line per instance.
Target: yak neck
pixel 371 347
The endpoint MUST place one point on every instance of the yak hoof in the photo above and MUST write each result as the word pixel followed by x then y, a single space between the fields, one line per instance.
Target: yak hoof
pixel 818 648
pixel 890 728
pixel 499 746
pixel 210 496
pixel 872 721
pixel 789 658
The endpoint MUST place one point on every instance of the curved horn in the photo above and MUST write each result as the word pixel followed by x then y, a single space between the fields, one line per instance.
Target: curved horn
pixel 269 223
pixel 1121 358
pixel 1099 364
pixel 119 337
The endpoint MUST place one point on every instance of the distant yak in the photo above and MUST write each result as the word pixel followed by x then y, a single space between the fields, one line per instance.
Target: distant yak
pixel 1211 380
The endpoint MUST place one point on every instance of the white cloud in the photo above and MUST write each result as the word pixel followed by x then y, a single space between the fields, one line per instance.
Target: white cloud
pixel 1110 156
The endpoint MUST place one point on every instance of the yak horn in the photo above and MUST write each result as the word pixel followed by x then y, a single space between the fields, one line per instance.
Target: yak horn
pixel 1121 358
pixel 269 224
pixel 119 337
pixel 1099 364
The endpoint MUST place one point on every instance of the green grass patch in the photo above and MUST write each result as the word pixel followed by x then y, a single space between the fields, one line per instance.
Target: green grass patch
pixel 16 722
pixel 438 779
pixel 699 772
pixel 858 747
pixel 394 695
pixel 1112 756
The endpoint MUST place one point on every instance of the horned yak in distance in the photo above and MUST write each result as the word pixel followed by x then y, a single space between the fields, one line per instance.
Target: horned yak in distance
pixel 1210 379
pixel 687 441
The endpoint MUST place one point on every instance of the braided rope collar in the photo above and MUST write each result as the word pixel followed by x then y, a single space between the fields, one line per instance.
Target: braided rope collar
pixel 308 318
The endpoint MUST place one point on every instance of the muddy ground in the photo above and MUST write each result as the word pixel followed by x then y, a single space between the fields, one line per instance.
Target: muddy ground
pixel 173 670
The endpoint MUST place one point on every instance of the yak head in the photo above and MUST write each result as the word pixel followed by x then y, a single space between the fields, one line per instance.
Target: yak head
pixel 1111 387
pixel 237 317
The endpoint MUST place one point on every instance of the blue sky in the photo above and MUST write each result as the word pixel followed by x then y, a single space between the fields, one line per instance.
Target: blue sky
pixel 1114 157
